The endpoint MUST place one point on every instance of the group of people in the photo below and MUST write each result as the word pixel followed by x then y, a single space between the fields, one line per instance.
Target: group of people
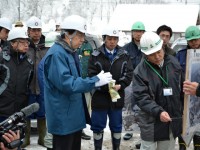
pixel 66 80
pixel 21 52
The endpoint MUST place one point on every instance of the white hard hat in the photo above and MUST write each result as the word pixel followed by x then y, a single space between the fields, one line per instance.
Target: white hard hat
pixel 16 33
pixel 50 38
pixel 150 43
pixel 110 31
pixel 74 22
pixel 5 23
pixel 34 22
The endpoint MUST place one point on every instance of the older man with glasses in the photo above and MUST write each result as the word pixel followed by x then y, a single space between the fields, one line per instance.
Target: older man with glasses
pixel 16 70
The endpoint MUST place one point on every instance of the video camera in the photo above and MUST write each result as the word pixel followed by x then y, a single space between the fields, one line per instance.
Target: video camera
pixel 17 122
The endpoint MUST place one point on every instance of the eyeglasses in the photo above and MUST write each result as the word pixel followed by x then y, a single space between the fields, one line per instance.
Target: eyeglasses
pixel 80 35
pixel 24 42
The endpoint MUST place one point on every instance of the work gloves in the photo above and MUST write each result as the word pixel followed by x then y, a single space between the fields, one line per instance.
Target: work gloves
pixel 104 78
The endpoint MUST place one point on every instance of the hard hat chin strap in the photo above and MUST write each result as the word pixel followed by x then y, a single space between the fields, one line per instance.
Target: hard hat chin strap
pixel 70 38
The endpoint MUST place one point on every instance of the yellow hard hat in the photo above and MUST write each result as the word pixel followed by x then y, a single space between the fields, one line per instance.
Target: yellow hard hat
pixel 19 24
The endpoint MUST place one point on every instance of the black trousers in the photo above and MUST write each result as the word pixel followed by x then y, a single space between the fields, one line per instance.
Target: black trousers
pixel 67 142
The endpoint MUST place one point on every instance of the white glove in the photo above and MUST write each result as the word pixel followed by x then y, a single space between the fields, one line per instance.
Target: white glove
pixel 104 78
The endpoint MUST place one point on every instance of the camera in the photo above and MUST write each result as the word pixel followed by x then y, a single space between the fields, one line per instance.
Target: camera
pixel 17 122
pixel 14 127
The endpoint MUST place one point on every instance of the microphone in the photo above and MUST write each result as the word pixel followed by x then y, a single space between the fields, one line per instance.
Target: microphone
pixel 19 116
pixel 30 109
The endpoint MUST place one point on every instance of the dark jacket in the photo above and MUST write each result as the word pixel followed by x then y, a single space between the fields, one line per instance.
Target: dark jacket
pixel 169 51
pixel 181 56
pixel 3 44
pixel 15 75
pixel 134 52
pixel 198 91
pixel 36 53
pixel 121 70
pixel 148 93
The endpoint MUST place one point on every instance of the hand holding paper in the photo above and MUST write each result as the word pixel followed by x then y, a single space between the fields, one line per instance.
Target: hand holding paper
pixel 113 93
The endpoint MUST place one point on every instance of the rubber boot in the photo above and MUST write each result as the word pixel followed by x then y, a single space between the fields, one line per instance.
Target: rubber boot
pixel 182 145
pixel 116 139
pixel 26 140
pixel 85 136
pixel 48 140
pixel 98 140
pixel 196 142
pixel 41 125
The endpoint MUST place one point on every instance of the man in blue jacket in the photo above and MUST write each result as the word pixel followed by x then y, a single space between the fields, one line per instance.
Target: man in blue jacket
pixel 66 109
pixel 49 41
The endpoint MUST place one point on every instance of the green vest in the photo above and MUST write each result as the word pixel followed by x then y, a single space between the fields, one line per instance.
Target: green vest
pixel 84 53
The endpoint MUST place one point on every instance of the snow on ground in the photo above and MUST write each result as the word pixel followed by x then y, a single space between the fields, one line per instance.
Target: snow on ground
pixel 88 144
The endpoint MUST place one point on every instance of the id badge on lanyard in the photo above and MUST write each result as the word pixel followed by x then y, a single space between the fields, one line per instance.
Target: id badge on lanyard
pixel 167 91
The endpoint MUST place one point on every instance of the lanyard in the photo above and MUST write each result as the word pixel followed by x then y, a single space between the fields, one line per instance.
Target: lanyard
pixel 165 81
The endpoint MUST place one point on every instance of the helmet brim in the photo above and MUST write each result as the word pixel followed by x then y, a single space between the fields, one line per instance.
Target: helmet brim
pixel 193 38
pixel 35 27
pixel 137 29
pixel 6 28
pixel 153 50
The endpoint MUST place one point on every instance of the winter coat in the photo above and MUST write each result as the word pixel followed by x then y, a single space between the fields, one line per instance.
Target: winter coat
pixel 66 109
pixel 41 78
pixel 121 70
pixel 3 44
pixel 134 52
pixel 36 53
pixel 169 51
pixel 16 71
pixel 148 93
pixel 198 91
pixel 181 56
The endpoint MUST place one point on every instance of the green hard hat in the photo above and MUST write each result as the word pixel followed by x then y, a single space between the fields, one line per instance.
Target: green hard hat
pixel 192 32
pixel 138 26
